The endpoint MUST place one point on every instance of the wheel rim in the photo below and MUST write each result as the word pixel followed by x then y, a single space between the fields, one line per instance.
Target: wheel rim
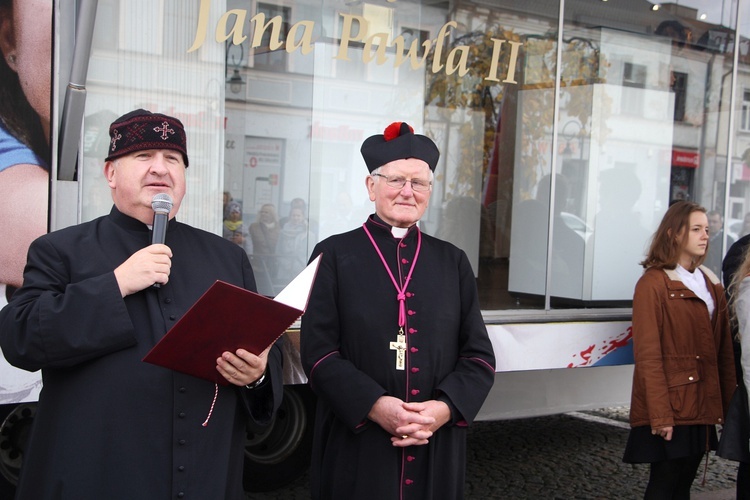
pixel 14 433
pixel 279 441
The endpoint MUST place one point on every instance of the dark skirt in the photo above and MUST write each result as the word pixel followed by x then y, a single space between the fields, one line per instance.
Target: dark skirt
pixel 735 434
pixel 687 441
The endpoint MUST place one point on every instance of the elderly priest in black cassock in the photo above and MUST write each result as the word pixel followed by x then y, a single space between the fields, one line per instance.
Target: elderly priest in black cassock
pixel 393 342
pixel 109 426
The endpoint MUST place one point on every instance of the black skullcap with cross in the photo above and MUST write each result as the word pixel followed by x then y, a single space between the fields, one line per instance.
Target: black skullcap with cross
pixel 141 129
pixel 398 142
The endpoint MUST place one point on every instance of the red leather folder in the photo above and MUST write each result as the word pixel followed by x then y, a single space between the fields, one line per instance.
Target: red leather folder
pixel 227 318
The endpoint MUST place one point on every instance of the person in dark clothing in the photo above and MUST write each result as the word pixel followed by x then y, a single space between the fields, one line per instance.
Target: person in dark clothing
pixel 732 262
pixel 393 342
pixel 733 258
pixel 716 242
pixel 109 425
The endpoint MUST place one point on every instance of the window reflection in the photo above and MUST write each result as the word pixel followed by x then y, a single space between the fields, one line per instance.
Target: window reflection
pixel 642 120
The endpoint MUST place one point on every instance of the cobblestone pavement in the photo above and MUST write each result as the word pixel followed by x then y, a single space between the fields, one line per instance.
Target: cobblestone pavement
pixel 573 456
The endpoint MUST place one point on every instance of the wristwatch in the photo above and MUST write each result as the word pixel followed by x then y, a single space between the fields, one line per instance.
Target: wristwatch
pixel 255 384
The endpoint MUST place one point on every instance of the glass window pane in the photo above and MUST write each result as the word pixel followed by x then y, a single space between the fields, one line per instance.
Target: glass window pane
pixel 738 214
pixel 553 195
pixel 137 73
pixel 642 131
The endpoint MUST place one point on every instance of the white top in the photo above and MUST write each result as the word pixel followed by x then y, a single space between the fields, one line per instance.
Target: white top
pixel 696 281
pixel 742 309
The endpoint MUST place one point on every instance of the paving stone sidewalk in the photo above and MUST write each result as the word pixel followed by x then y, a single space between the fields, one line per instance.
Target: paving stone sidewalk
pixel 571 457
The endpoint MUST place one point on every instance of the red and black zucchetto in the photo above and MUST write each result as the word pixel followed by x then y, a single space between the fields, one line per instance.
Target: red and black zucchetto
pixel 398 142
pixel 141 129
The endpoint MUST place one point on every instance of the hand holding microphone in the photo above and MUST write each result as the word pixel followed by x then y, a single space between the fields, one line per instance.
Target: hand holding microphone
pixel 151 265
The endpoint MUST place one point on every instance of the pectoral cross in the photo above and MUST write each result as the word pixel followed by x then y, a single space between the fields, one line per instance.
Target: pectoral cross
pixel 400 347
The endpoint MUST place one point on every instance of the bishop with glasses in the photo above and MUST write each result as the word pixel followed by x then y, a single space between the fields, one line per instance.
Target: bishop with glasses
pixel 393 342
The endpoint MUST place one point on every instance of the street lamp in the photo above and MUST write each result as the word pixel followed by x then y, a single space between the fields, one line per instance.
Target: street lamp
pixel 569 137
pixel 236 82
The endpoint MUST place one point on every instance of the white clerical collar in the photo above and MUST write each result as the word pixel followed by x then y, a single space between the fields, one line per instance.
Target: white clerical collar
pixel 399 232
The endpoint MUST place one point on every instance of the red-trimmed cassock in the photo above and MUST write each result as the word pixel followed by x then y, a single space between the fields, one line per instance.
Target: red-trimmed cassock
pixel 347 330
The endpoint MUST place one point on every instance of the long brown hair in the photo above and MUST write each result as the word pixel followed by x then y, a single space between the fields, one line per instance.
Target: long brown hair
pixel 671 236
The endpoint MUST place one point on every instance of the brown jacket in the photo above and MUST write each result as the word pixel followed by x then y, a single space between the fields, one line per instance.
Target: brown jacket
pixel 684 363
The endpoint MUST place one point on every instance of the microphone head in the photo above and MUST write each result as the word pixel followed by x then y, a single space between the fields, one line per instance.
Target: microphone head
pixel 161 203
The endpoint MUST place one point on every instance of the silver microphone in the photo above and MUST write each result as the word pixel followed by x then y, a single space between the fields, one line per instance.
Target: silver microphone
pixel 161 203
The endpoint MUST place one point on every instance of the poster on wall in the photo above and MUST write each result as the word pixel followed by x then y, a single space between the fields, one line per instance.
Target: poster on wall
pixel 262 162
pixel 24 159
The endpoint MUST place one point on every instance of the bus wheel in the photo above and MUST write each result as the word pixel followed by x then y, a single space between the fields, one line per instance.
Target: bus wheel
pixel 14 434
pixel 280 453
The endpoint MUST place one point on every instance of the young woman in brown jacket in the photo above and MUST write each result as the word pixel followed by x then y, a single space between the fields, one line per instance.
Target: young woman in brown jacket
pixel 684 366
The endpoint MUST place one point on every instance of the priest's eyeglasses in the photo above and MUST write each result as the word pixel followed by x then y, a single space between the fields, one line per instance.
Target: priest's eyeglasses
pixel 418 185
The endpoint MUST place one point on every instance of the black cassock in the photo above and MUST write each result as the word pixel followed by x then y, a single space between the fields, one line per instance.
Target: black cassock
pixel 350 321
pixel 109 425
